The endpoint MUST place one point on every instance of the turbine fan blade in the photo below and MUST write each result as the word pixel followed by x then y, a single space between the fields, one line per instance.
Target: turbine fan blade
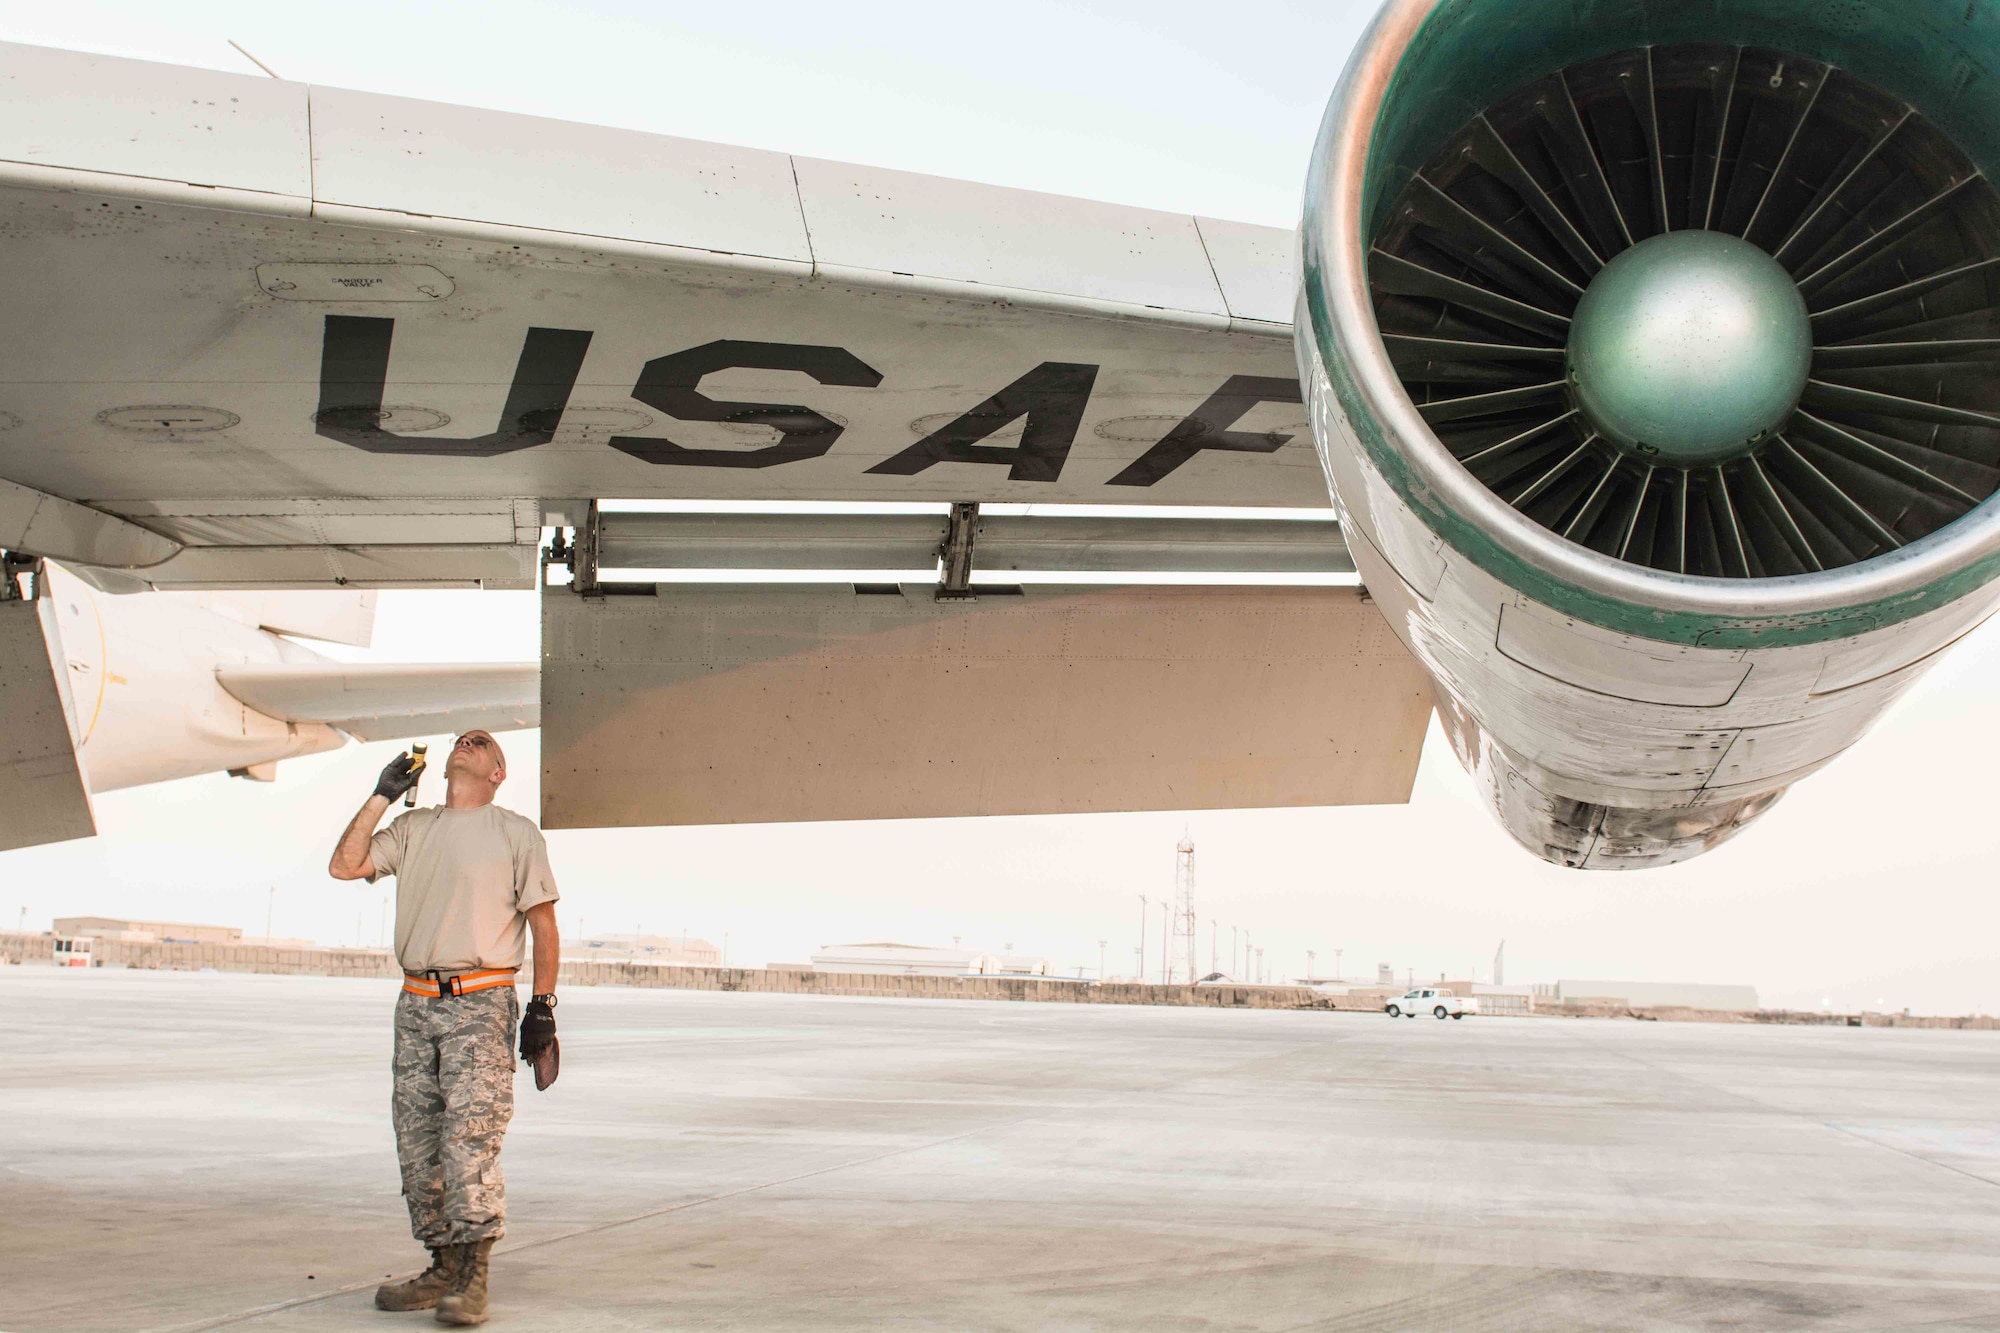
pixel 1885 225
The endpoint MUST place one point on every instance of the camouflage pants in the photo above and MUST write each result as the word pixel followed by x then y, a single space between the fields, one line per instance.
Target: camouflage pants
pixel 454 1094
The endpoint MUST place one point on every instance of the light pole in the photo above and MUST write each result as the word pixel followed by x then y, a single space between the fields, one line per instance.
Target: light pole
pixel 1336 964
pixel 1310 974
pixel 1100 958
pixel 1260 967
pixel 1143 902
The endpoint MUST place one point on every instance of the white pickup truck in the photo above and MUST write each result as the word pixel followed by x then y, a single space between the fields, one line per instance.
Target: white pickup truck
pixel 1430 1000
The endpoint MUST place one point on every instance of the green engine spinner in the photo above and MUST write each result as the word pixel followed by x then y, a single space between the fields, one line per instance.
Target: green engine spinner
pixel 1689 348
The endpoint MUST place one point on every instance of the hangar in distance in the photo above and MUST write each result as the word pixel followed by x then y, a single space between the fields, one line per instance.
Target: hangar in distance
pixel 1644 356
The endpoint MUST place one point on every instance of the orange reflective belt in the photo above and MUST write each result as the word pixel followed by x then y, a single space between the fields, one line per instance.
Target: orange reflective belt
pixel 433 986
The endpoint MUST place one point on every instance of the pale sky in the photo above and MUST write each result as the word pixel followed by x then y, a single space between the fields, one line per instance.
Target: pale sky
pixel 1869 883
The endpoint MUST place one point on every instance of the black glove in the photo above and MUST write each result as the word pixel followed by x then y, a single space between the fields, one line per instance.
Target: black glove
pixel 538 1042
pixel 398 776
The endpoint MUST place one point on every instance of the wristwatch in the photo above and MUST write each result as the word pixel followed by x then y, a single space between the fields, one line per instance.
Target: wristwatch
pixel 549 999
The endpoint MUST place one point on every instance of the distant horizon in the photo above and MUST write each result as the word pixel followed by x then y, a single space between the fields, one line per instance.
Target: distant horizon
pixel 1085 970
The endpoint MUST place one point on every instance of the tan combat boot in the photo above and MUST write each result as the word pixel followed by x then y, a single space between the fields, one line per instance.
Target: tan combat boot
pixel 422 1291
pixel 465 1303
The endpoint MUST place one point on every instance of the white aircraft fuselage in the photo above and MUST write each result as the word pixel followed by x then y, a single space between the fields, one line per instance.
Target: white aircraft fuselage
pixel 149 707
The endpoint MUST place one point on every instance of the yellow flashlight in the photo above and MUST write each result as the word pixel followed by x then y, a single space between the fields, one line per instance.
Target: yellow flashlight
pixel 417 753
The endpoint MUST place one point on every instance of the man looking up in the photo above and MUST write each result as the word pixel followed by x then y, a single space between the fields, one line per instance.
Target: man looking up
pixel 472 880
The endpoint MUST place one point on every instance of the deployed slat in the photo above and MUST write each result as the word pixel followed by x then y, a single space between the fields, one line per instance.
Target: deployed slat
pixel 748 704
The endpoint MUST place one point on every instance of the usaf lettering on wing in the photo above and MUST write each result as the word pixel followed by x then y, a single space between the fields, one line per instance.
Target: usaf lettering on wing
pixel 354 370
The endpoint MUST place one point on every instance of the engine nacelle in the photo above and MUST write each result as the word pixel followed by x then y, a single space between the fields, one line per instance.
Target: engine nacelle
pixel 1651 353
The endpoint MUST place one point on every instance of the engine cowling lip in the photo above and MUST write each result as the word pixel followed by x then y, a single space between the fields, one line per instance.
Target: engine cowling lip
pixel 1800 608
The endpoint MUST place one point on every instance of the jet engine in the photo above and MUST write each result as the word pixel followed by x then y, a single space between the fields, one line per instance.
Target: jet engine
pixel 1651 355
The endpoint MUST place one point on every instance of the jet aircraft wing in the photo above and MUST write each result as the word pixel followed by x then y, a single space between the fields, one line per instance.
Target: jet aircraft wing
pixel 266 334
pixel 271 336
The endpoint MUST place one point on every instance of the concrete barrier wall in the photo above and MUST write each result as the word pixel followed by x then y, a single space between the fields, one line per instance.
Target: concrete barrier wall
pixel 16 948
pixel 1782 1017
pixel 20 948
pixel 1811 1018
pixel 797 981
pixel 26 948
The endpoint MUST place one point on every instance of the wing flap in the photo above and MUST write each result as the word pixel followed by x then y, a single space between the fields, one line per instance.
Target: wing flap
pixel 774 703
pixel 387 701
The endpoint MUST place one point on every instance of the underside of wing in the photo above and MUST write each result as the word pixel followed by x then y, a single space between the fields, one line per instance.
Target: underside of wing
pixel 272 345
pixel 388 701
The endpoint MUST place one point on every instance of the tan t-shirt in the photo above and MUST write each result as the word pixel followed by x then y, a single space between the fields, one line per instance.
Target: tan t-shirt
pixel 464 878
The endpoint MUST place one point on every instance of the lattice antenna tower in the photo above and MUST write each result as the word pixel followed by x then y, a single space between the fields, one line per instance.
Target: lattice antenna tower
pixel 1184 920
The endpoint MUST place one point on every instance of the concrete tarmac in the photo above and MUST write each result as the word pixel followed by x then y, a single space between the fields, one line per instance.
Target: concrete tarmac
pixel 183 1151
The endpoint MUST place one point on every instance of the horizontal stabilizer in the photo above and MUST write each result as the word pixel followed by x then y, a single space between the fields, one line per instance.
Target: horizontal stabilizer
pixel 388 701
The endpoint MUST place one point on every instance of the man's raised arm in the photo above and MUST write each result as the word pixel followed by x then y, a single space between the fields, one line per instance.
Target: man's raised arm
pixel 350 854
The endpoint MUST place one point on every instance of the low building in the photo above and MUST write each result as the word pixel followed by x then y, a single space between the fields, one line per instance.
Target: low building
pixel 921 960
pixel 1021 965
pixel 146 932
pixel 904 960
pixel 289 942
pixel 1659 994
pixel 687 950
pixel 1498 999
